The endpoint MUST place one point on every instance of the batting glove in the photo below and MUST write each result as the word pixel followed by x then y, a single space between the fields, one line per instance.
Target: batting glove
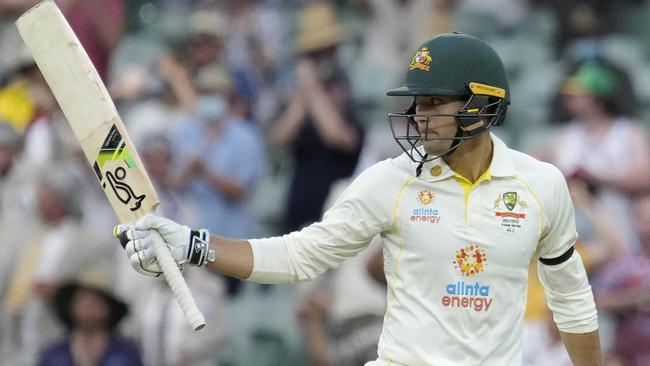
pixel 185 245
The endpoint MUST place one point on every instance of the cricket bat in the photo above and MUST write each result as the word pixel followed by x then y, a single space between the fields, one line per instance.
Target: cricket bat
pixel 88 107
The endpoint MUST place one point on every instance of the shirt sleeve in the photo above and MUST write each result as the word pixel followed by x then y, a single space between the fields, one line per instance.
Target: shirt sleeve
pixel 559 231
pixel 567 290
pixel 346 229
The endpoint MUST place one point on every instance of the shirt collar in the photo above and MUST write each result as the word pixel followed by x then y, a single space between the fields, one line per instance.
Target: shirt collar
pixel 501 165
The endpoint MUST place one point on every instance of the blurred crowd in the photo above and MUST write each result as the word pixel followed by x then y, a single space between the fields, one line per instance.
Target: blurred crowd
pixel 251 116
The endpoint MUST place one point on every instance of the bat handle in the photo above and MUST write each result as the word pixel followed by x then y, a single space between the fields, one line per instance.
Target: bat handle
pixel 177 283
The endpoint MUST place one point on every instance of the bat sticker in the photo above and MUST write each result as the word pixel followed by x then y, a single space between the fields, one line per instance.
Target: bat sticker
pixel 114 149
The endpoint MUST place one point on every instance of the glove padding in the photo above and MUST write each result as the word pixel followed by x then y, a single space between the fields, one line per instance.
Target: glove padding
pixel 185 245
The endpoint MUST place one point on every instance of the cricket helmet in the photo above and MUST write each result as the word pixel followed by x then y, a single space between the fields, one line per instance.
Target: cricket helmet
pixel 456 65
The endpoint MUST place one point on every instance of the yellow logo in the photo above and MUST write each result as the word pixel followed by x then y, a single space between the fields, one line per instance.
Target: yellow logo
pixel 421 60
pixel 484 89
pixel 426 197
pixel 470 260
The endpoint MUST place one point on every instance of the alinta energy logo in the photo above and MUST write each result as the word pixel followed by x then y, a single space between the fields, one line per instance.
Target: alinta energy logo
pixel 425 214
pixel 470 260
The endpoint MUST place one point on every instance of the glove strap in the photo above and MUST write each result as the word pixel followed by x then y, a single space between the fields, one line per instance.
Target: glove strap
pixel 198 251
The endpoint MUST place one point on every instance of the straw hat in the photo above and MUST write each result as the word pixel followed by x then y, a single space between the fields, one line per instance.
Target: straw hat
pixel 208 23
pixel 213 79
pixel 97 282
pixel 318 28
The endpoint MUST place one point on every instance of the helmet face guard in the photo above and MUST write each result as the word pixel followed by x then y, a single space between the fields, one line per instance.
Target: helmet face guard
pixel 478 114
pixel 454 65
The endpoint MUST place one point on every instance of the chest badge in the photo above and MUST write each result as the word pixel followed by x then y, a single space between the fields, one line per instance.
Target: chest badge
pixel 511 210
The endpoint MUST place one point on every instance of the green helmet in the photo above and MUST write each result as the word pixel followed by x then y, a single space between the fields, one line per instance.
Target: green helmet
pixel 459 65
pixel 451 64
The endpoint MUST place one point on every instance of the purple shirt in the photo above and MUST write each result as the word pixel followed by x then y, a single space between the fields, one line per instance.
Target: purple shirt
pixel 630 273
pixel 120 352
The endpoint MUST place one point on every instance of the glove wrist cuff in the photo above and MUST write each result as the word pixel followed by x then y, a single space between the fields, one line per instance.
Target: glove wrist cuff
pixel 198 250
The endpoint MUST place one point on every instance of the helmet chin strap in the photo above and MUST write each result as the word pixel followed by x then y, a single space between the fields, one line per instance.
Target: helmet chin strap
pixel 456 142
pixel 454 145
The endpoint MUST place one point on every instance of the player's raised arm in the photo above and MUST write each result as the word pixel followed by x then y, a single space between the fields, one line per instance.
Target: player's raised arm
pixel 345 230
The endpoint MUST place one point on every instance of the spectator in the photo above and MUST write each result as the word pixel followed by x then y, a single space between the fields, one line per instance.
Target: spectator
pixel 90 313
pixel 205 48
pixel 16 192
pixel 581 23
pixel 52 250
pixel 204 44
pixel 318 123
pixel 601 147
pixel 174 103
pixel 254 50
pixel 221 158
pixel 623 289
pixel 27 104
pixel 16 176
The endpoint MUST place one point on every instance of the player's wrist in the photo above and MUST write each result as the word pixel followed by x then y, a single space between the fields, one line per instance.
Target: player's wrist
pixel 199 252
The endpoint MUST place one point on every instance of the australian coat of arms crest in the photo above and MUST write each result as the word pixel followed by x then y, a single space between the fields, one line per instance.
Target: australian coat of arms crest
pixel 421 60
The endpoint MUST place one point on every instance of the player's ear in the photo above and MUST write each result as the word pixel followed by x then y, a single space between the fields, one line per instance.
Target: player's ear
pixel 470 116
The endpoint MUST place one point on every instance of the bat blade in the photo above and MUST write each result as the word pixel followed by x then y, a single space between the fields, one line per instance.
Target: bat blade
pixel 88 107
pixel 92 115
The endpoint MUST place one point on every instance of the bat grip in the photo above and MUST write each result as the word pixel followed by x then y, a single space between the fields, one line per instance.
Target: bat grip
pixel 177 283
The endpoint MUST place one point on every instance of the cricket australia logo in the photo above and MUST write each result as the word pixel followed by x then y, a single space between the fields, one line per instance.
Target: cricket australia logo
pixel 421 60
pixel 511 210
pixel 510 200
pixel 114 149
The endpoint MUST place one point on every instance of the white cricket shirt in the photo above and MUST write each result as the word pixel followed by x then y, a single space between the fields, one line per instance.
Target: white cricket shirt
pixel 456 254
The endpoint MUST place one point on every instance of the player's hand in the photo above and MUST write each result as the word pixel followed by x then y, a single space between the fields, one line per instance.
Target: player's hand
pixel 185 245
